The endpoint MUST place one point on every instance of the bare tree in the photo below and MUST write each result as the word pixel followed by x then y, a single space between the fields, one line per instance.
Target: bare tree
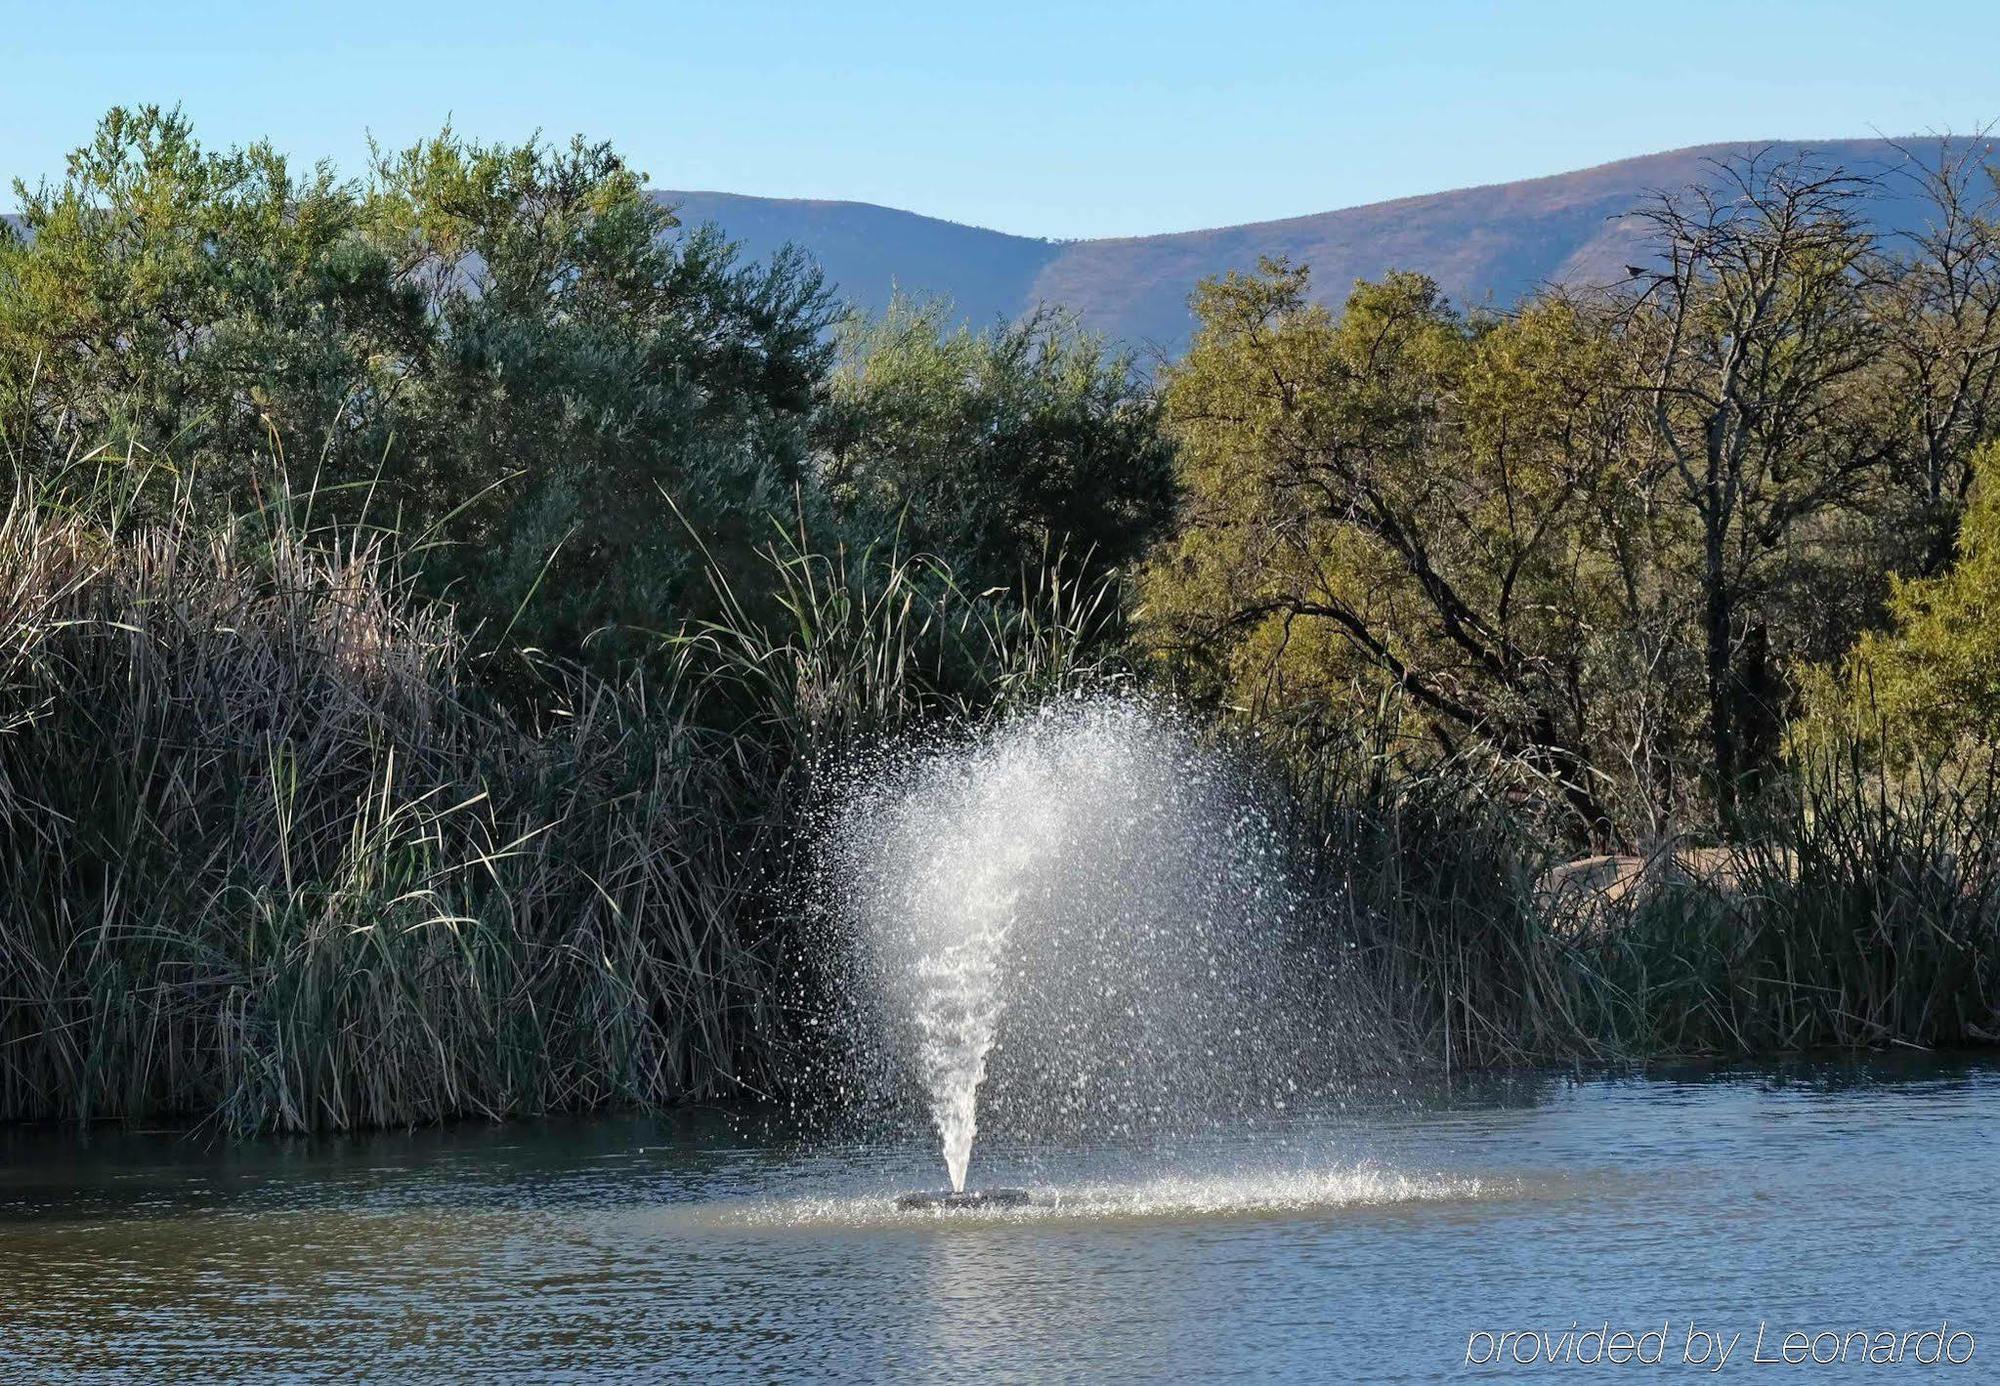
pixel 1749 333
pixel 1937 308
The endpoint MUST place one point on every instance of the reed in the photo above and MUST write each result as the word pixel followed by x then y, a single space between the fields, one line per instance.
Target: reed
pixel 265 859
pixel 269 858
pixel 855 646
pixel 1861 910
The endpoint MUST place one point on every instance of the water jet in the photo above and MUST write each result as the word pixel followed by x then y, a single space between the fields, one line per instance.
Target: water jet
pixel 1072 929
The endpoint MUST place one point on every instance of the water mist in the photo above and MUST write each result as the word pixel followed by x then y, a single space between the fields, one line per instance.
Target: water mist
pixel 1075 928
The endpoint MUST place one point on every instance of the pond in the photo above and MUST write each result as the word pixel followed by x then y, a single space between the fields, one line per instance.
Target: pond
pixel 1375 1242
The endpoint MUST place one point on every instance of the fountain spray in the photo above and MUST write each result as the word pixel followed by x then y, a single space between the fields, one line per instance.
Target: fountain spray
pixel 1074 928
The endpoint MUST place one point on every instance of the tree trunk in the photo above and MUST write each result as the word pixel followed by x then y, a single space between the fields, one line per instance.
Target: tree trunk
pixel 1721 682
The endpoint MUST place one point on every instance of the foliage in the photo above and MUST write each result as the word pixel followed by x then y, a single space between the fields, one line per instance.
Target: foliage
pixel 1931 683
pixel 164 299
pixel 267 863
pixel 596 389
pixel 271 858
pixel 1609 535
pixel 477 776
pixel 501 352
pixel 1398 498
pixel 997 450
pixel 1861 911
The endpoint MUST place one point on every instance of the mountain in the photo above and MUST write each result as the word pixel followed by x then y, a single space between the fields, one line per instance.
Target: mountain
pixel 867 250
pixel 1485 245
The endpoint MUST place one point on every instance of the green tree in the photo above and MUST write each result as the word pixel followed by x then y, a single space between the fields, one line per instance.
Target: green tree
pixel 511 353
pixel 996 450
pixel 605 402
pixel 187 304
pixel 1931 683
pixel 1395 499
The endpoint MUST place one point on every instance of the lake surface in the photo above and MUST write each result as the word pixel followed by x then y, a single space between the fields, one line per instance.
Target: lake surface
pixel 1364 1244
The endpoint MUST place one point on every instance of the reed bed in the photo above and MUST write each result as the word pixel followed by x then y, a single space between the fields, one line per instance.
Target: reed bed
pixel 264 859
pixel 1861 910
pixel 269 858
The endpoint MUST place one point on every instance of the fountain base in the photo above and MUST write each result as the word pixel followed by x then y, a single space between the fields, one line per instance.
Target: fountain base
pixel 971 1198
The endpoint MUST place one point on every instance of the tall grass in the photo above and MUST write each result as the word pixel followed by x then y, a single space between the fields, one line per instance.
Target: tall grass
pixel 1863 910
pixel 268 858
pixel 264 858
pixel 857 646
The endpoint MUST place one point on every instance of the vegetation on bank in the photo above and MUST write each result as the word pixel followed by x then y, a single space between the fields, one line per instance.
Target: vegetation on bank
pixel 429 603
pixel 1607 536
pixel 273 854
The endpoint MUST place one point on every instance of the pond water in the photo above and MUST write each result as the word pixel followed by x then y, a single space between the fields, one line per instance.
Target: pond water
pixel 1365 1244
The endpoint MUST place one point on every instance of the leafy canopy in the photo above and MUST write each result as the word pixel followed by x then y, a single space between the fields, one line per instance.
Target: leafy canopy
pixel 999 451
pixel 509 352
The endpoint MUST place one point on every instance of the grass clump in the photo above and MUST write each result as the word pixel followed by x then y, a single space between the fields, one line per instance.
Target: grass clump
pixel 1861 911
pixel 267 859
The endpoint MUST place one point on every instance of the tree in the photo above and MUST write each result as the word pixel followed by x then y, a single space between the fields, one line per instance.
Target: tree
pixel 999 451
pixel 1932 681
pixel 605 405
pixel 168 300
pixel 1936 305
pixel 1396 499
pixel 512 354
pixel 1751 340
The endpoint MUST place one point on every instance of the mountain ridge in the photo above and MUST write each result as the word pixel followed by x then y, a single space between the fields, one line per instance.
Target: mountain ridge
pixel 1485 244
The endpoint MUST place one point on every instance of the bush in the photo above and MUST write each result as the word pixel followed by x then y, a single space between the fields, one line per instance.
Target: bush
pixel 1930 685
pixel 509 355
pixel 1001 451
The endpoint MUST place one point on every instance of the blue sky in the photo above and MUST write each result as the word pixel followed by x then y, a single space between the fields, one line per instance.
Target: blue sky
pixel 1084 118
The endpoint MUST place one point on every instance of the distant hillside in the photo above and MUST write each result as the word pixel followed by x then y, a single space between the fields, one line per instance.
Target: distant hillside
pixel 1484 245
pixel 867 250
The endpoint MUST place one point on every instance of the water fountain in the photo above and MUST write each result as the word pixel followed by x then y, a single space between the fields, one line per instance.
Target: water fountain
pixel 1074 928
